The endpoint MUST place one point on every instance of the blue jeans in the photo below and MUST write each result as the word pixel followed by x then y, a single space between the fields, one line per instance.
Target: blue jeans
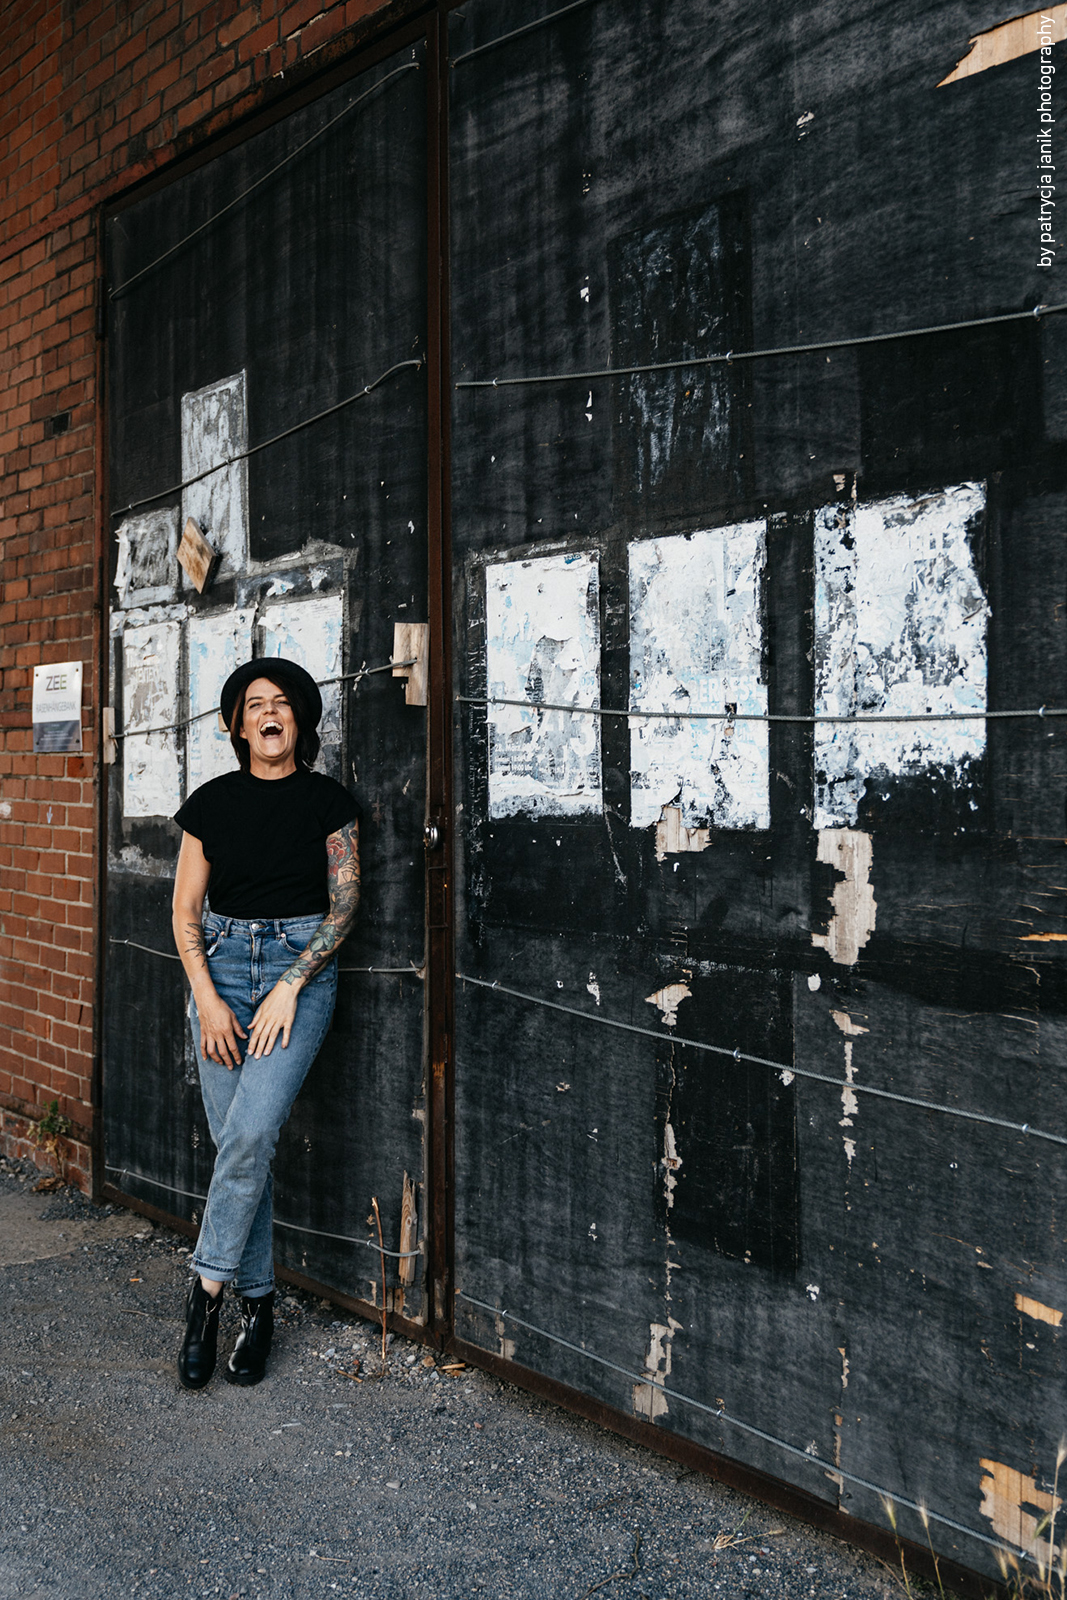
pixel 247 1105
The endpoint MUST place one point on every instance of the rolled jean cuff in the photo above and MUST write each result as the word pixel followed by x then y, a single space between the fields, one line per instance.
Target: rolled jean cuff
pixel 257 1291
pixel 207 1269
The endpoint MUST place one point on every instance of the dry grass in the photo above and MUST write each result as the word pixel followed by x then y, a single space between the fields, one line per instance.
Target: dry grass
pixel 1047 1580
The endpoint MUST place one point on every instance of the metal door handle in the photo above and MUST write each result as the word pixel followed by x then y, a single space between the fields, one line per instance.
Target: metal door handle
pixel 431 836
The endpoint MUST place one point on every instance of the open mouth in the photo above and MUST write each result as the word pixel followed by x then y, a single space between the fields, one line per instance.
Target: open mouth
pixel 271 730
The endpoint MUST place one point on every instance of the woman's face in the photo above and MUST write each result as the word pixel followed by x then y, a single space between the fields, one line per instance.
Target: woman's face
pixel 269 725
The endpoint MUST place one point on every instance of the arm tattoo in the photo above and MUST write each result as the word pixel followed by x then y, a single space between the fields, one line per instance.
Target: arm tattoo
pixel 196 942
pixel 342 876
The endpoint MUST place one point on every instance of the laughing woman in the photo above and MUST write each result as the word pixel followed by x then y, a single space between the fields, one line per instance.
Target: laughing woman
pixel 276 846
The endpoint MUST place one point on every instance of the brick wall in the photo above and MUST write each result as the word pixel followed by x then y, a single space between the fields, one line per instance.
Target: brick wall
pixel 94 97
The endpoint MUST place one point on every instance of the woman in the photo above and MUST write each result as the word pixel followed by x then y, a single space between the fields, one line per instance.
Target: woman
pixel 278 846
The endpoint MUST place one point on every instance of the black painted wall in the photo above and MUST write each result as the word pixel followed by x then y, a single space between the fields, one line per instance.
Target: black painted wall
pixel 314 285
pixel 653 179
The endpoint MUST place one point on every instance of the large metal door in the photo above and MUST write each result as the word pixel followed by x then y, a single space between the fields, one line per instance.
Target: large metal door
pixel 267 380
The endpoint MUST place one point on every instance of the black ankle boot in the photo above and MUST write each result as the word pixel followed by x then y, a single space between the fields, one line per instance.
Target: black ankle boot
pixel 249 1360
pixel 196 1358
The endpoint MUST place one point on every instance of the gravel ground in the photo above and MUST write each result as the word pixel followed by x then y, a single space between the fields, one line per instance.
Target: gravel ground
pixel 327 1479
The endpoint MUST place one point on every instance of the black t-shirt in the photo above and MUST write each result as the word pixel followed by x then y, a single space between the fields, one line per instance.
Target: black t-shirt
pixel 266 840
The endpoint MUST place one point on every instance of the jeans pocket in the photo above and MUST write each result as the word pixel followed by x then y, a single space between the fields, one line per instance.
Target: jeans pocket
pixel 212 941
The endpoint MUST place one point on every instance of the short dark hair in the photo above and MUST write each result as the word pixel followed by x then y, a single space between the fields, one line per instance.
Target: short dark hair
pixel 307 738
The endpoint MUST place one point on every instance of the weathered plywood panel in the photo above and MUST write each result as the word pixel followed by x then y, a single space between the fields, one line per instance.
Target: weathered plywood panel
pixel 841 1271
pixel 234 338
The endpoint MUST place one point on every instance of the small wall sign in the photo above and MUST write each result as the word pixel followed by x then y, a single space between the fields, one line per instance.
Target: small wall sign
pixel 57 707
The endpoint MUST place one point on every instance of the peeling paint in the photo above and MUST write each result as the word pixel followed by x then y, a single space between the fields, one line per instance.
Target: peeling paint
pixel 1016 1507
pixel 1021 36
pixel 214 428
pixel 674 838
pixel 696 644
pixel 1040 1313
pixel 310 632
pixel 215 645
pixel 854 906
pixel 671 1164
pixel 668 999
pixel 543 644
pixel 593 988
pixel 849 1102
pixel 900 627
pixel 151 782
pixel 649 1399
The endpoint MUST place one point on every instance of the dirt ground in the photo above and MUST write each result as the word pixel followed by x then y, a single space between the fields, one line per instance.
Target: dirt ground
pixel 326 1479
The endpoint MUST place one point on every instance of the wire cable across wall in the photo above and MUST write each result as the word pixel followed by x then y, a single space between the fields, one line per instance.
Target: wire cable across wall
pixel 647 1380
pixel 768 353
pixel 729 715
pixel 761 1061
pixel 265 444
pixel 135 277
pixel 186 722
pixel 343 1238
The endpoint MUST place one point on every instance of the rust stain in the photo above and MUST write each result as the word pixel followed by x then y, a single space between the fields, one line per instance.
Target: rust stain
pixel 1020 36
pixel 1017 1508
pixel 1040 1313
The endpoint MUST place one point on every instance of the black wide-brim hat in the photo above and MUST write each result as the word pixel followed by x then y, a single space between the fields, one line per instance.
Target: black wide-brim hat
pixel 286 674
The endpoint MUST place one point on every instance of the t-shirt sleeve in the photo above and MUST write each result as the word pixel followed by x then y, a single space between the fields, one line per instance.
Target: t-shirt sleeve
pixel 190 817
pixel 340 808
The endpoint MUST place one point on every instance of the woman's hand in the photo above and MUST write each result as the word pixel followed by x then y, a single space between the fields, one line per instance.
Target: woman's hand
pixel 275 1015
pixel 219 1030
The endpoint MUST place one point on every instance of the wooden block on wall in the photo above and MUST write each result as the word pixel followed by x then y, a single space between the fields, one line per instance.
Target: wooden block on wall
pixel 197 557
pixel 411 650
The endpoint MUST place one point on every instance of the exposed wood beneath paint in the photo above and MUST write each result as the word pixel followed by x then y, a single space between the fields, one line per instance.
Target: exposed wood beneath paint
pixel 411 643
pixel 1020 36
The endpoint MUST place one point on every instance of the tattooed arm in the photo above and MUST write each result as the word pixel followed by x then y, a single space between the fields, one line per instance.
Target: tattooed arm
pixel 219 1028
pixel 278 1010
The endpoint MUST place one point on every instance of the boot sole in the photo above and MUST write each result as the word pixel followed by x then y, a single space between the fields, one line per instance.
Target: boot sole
pixel 245 1380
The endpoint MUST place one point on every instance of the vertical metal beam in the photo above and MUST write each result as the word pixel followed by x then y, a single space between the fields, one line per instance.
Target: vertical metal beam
pixel 440 962
pixel 101 697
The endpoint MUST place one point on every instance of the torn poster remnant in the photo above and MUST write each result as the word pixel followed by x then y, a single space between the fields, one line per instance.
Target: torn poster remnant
pixel 151 777
pixel 696 645
pixel 311 633
pixel 542 624
pixel 215 645
pixel 900 628
pixel 215 429
pixel 146 572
